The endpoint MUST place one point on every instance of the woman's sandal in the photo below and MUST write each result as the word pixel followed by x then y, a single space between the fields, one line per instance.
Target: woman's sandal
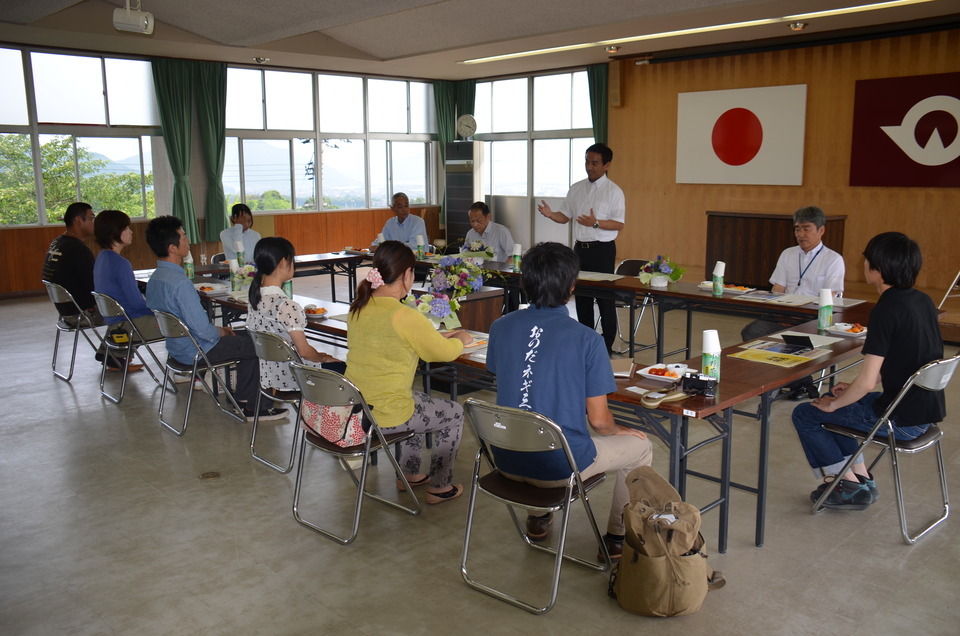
pixel 413 484
pixel 446 495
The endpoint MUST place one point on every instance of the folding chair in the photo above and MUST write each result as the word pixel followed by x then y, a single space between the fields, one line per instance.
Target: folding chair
pixel 110 308
pixel 952 291
pixel 525 431
pixel 173 327
pixel 58 294
pixel 329 388
pixel 933 376
pixel 632 267
pixel 272 348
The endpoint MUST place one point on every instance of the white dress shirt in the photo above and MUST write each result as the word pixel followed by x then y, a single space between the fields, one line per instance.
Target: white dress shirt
pixel 802 272
pixel 605 198
pixel 496 237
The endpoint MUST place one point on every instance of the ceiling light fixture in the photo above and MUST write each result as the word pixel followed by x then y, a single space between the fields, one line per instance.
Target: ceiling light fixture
pixel 798 26
pixel 133 20
pixel 261 60
pixel 611 48
pixel 707 29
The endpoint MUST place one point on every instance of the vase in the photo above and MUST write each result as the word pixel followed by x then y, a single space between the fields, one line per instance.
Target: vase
pixel 659 281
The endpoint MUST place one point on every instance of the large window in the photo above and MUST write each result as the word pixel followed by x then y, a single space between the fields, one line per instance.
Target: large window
pixel 539 126
pixel 91 139
pixel 375 137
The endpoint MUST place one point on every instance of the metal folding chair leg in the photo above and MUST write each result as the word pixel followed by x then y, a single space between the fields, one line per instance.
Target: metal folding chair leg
pixel 293 442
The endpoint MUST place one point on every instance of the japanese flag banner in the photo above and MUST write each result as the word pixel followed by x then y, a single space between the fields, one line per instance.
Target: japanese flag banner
pixel 742 136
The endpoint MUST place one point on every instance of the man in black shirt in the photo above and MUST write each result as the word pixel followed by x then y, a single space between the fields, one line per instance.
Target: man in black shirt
pixel 903 336
pixel 69 263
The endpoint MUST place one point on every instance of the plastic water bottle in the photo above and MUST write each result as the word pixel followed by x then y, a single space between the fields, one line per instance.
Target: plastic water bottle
pixel 825 314
pixel 710 360
pixel 287 288
pixel 718 271
pixel 188 265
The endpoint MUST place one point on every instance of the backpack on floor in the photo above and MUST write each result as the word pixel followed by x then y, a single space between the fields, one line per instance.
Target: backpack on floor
pixel 663 570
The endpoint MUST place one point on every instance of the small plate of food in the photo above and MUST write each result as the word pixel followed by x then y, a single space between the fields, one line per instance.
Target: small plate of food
pixel 849 329
pixel 664 372
pixel 315 313
pixel 727 289
pixel 211 287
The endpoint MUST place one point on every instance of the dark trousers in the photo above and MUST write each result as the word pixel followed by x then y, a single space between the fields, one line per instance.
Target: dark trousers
pixel 240 347
pixel 598 256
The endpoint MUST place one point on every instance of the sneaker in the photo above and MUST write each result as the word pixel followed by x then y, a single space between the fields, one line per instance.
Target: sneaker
pixel 847 496
pixel 265 414
pixel 614 545
pixel 537 527
pixel 871 486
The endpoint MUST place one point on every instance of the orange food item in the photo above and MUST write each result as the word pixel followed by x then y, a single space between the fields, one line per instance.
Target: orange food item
pixel 740 287
pixel 663 372
pixel 857 328
pixel 205 288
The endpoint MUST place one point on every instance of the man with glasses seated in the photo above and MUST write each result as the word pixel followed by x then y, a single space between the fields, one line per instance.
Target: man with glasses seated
pixel 804 269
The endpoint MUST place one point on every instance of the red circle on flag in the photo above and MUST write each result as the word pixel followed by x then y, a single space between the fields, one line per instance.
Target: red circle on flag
pixel 737 136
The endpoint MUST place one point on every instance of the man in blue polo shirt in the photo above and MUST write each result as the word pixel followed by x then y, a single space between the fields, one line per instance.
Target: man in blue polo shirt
pixel 404 227
pixel 170 290
pixel 547 362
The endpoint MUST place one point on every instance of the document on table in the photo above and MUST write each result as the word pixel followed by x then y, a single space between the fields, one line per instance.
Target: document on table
pixel 598 276
pixel 818 341
pixel 770 357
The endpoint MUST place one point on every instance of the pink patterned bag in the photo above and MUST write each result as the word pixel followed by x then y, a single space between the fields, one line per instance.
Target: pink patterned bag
pixel 334 423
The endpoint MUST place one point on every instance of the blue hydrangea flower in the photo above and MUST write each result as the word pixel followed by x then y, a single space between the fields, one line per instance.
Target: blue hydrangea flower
pixel 439 281
pixel 440 307
pixel 665 269
pixel 449 261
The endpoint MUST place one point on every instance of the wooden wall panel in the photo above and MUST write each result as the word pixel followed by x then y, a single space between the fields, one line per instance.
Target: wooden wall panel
pixel 664 217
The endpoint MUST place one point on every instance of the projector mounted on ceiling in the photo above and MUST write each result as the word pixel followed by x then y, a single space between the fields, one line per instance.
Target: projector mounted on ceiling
pixel 133 20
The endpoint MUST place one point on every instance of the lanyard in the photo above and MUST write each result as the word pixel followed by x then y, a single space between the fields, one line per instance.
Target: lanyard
pixel 799 261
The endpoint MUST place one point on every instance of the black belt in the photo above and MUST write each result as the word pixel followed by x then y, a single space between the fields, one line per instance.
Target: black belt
pixel 585 245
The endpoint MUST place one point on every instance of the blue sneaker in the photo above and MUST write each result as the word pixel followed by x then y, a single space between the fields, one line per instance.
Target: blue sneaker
pixel 847 496
pixel 871 485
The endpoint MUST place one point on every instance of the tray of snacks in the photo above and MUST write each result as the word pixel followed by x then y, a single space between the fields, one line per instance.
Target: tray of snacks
pixel 727 289
pixel 852 330
pixel 315 313
pixel 211 287
pixel 664 372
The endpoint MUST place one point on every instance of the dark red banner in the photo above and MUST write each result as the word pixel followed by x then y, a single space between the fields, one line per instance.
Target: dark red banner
pixel 906 132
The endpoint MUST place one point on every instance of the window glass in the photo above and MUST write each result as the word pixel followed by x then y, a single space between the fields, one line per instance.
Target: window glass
pixel 13 106
pixel 69 88
pixel 342 174
pixel 244 98
pixel 111 177
pixel 231 172
pixel 341 103
pixel 304 174
pixel 289 100
pixel 59 178
pixel 578 158
pixel 551 102
pixel 509 105
pixel 551 167
pixel 131 96
pixel 266 169
pixel 387 100
pixel 410 169
pixel 422 119
pixel 481 110
pixel 379 197
pixel 581 116
pixel 18 200
pixel 508 167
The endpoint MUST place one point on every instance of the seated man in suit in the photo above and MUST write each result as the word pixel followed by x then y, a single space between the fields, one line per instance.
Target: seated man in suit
pixel 547 362
pixel 170 290
pixel 404 227
pixel 804 269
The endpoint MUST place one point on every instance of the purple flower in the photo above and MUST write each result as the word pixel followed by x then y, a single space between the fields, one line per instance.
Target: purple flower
pixel 440 307
pixel 439 281
pixel 449 261
pixel 476 283
pixel 665 269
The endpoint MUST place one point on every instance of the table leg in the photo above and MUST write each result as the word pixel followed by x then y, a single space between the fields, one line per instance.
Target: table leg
pixel 725 465
pixel 333 283
pixel 661 320
pixel 766 400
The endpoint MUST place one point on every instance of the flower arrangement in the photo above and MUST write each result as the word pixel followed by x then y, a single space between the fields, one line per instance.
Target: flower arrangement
pixel 450 281
pixel 662 266
pixel 242 276
pixel 477 249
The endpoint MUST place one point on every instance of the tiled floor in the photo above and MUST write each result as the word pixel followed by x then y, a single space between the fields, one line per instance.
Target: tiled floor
pixel 107 528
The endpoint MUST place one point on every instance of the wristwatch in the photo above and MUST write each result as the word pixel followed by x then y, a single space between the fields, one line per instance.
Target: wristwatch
pixel 596 225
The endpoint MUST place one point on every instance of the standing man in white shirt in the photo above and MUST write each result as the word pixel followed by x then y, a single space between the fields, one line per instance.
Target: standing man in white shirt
pixel 241 229
pixel 493 235
pixel 598 206
pixel 805 268
pixel 404 227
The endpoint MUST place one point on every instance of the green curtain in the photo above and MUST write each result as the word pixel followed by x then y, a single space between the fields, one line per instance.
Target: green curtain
pixel 174 82
pixel 466 96
pixel 445 101
pixel 597 81
pixel 211 85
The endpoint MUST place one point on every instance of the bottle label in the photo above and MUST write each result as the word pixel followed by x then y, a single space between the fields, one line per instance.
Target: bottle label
pixel 288 288
pixel 718 286
pixel 711 365
pixel 825 317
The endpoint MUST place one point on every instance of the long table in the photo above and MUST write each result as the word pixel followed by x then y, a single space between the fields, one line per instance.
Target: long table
pixel 740 381
pixel 332 263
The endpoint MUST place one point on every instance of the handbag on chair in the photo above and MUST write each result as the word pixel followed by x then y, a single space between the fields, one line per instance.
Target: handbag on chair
pixel 342 425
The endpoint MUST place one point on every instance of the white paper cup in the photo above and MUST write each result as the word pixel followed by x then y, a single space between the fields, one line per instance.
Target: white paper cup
pixel 517 250
pixel 711 341
pixel 826 297
pixel 719 268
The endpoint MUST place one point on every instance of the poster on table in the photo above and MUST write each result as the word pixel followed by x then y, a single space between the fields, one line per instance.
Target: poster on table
pixel 742 136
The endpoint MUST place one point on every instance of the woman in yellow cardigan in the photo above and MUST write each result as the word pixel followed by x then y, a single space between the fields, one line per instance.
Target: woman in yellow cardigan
pixel 385 340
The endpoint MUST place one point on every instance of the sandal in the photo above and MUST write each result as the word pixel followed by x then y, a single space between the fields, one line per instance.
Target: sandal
pixel 413 484
pixel 446 495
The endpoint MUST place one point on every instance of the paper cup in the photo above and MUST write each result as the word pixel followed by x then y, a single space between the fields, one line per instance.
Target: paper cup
pixel 826 297
pixel 711 341
pixel 517 250
pixel 719 268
